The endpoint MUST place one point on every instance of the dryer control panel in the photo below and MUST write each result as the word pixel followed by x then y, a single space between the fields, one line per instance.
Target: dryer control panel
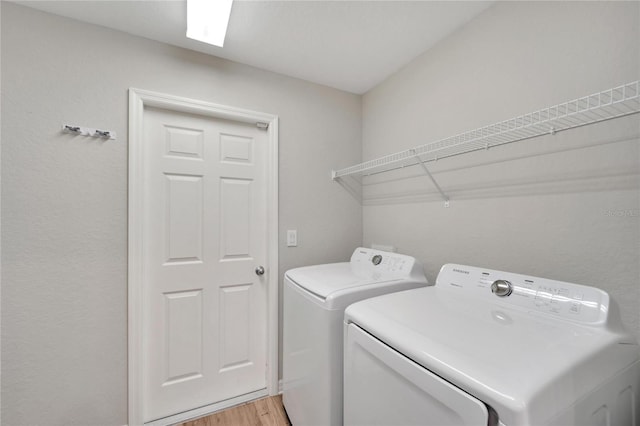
pixel 575 302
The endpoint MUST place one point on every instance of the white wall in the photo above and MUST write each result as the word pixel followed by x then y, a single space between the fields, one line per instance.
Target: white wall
pixel 565 207
pixel 64 198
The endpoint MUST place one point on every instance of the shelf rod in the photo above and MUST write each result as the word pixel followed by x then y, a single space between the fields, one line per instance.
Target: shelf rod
pixel 337 175
pixel 426 171
pixel 603 106
pixel 479 148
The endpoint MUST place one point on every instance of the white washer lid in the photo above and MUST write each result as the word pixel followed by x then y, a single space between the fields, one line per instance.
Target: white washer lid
pixel 323 280
pixel 524 365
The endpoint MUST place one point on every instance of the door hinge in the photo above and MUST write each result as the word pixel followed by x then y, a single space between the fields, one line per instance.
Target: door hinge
pixel 262 126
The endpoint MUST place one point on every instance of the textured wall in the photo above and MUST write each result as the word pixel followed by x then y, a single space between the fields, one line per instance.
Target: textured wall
pixel 564 207
pixel 64 198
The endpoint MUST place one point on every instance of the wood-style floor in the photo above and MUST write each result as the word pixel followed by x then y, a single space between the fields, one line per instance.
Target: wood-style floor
pixel 262 412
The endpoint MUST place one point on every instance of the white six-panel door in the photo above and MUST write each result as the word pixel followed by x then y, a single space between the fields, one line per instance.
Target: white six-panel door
pixel 204 234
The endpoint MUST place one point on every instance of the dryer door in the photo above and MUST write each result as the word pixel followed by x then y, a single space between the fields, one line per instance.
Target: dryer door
pixel 383 387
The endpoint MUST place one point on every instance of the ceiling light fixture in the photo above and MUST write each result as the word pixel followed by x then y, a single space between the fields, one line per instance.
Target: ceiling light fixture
pixel 207 20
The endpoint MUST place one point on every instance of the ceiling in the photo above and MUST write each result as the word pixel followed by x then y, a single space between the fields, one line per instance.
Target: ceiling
pixel 349 45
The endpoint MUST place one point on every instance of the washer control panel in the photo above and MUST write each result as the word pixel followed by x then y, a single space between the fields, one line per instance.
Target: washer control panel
pixel 571 301
pixel 385 265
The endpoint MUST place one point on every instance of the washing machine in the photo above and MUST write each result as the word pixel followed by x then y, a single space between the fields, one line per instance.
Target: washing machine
pixel 484 347
pixel 314 301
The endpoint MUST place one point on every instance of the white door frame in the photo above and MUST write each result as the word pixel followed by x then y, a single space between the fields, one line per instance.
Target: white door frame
pixel 138 100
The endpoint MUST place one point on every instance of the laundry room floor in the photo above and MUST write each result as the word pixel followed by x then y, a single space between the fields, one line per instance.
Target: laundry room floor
pixel 262 412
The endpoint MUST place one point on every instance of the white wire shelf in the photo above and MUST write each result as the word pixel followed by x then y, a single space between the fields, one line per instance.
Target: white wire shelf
pixel 606 105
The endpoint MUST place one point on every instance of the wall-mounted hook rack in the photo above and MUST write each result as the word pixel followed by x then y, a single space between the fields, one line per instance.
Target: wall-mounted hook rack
pixel 88 131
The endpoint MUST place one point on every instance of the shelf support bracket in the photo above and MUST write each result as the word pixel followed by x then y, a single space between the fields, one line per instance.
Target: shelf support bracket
pixel 426 171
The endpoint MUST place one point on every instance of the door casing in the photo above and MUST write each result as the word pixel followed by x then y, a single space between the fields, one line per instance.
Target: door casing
pixel 138 100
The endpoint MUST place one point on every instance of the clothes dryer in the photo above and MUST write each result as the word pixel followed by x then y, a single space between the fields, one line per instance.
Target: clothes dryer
pixel 314 301
pixel 485 347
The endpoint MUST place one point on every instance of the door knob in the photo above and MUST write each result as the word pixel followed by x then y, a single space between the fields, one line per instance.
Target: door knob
pixel 260 270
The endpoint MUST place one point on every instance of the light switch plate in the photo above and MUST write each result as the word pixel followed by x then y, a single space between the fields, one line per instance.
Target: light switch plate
pixel 292 238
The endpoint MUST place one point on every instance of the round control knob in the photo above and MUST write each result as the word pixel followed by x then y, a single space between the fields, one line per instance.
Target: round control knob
pixel 376 259
pixel 501 288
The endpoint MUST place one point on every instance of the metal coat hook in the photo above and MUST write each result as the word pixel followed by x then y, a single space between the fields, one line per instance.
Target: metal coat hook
pixel 71 129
